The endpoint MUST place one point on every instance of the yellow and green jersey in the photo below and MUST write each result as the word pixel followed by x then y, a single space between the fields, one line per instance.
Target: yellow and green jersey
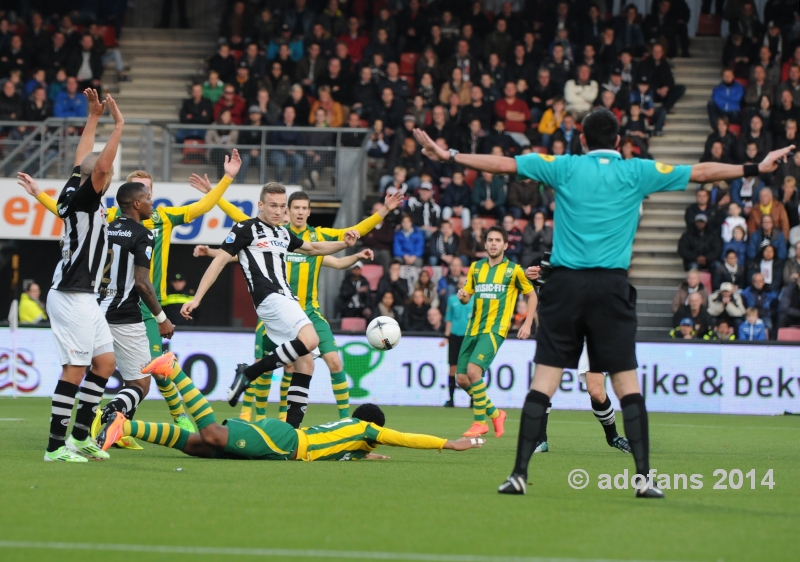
pixel 352 439
pixel 496 289
pixel 161 223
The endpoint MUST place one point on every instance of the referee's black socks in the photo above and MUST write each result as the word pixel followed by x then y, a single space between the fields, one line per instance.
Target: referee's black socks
pixel 284 354
pixel 297 399
pixel 534 414
pixel 634 415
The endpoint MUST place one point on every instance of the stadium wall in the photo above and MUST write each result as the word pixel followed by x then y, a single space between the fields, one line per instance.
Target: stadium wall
pixel 675 377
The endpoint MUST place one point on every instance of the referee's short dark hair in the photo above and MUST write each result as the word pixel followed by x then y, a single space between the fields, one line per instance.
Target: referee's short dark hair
pixel 498 229
pixel 129 192
pixel 298 196
pixel 601 128
pixel 273 188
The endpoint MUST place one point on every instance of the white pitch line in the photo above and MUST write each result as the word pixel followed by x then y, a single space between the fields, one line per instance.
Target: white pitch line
pixel 656 424
pixel 12 419
pixel 288 552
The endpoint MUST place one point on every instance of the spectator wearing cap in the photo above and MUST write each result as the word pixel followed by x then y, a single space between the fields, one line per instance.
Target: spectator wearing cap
pixel 224 63
pixel 696 311
pixel 729 271
pixel 246 87
pixel 767 205
pixel 311 68
pixel 684 330
pixel 643 97
pixel 294 47
pixel 699 246
pixel 753 328
pixel 178 293
pixel 443 247
pixel 615 85
pixel 195 110
pixel 686 288
pixel 702 206
pixel 232 102
pixel 409 242
pixel 726 99
pixel 489 196
pixel 726 305
pixel 580 93
pixel 249 142
pixel 354 294
pixel 425 213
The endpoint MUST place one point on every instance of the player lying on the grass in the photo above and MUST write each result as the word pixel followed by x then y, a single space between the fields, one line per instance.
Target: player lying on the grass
pixel 495 282
pixel 257 394
pixel 302 274
pixel 160 223
pixel 270 439
pixel 596 386
pixel 261 244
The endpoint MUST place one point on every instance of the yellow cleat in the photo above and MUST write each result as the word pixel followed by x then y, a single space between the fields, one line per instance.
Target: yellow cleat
pixel 128 442
pixel 161 365
pixel 97 425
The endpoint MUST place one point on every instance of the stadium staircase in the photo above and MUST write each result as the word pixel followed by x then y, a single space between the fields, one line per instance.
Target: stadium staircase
pixel 656 269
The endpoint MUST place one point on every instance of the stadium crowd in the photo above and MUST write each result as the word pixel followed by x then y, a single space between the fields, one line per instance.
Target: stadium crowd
pixel 745 236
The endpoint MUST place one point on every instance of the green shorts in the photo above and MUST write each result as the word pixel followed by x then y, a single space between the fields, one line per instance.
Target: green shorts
pixel 153 335
pixel 264 345
pixel 480 350
pixel 265 440
pixel 326 342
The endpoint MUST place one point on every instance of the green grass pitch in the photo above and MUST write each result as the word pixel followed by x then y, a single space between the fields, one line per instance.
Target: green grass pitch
pixel 438 507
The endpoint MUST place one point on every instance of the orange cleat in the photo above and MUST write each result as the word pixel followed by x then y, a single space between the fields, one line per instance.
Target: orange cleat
pixel 112 432
pixel 499 424
pixel 477 429
pixel 161 365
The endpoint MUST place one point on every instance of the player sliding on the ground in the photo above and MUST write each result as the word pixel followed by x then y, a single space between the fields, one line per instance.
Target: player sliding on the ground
pixel 160 223
pixel 495 281
pixel 261 244
pixel 270 439
pixel 302 273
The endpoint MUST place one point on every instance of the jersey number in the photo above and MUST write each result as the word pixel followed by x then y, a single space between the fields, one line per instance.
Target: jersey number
pixel 109 261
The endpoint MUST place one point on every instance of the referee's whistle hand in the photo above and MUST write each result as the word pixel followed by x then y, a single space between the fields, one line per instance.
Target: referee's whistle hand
pixel 187 308
pixel 532 272
pixel 770 163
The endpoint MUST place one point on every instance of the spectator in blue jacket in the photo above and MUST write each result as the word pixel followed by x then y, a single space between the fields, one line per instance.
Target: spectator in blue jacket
pixel 767 235
pixel 758 296
pixel 737 244
pixel 70 102
pixel 295 46
pixel 409 243
pixel 753 328
pixel 726 99
pixel 457 199
pixel 280 158
pixel 642 96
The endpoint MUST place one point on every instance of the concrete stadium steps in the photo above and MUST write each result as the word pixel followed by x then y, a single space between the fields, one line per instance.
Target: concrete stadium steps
pixel 656 269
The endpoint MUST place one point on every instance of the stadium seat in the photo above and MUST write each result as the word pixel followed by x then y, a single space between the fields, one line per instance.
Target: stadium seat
pixel 709 25
pixel 521 224
pixel 354 324
pixel 408 63
pixel 411 81
pixel 237 54
pixel 788 334
pixel 488 222
pixel 743 81
pixel 193 152
pixel 469 176
pixel 109 35
pixel 372 273
pixel 705 279
pixel 735 129
pixel 458 227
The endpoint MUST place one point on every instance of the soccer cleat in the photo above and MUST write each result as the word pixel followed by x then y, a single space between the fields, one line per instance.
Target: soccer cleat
pixel 240 384
pixel 245 414
pixel 499 424
pixel 183 421
pixel 88 448
pixel 97 424
pixel 477 429
pixel 621 443
pixel 62 454
pixel 514 485
pixel 111 432
pixel 650 492
pixel 541 447
pixel 128 442
pixel 449 404
pixel 161 365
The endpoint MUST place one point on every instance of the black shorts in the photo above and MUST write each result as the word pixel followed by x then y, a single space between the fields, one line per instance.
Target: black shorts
pixel 453 348
pixel 596 304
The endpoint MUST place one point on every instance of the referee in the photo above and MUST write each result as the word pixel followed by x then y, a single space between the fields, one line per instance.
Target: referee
pixel 588 295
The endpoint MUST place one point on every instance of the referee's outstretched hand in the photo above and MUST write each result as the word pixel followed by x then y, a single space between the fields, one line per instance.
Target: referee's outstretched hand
pixel 430 148
pixel 770 163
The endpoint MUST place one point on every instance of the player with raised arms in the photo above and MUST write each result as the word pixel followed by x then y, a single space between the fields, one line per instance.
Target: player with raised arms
pixel 588 295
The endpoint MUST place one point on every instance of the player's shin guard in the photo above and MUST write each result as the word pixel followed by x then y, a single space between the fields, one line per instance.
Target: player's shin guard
pixel 298 399
pixel 284 354
pixel 164 434
pixel 286 382
pixel 634 414
pixel 60 413
pixel 196 404
pixel 341 392
pixel 261 390
pixel 605 415
pixel 478 392
pixel 170 394
pixel 89 396
pixel 530 427
pixel 126 401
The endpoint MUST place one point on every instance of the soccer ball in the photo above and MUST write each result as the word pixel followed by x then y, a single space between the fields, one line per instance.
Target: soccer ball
pixel 383 333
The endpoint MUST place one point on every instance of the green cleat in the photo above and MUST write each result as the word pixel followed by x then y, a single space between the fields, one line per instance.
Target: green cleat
pixel 62 454
pixel 87 448
pixel 184 422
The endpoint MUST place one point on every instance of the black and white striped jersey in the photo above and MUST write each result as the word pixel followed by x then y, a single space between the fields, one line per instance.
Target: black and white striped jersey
pixel 129 244
pixel 262 253
pixel 84 247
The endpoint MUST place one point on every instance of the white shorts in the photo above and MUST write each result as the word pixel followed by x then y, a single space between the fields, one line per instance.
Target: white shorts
pixel 282 316
pixel 79 327
pixel 132 350
pixel 583 364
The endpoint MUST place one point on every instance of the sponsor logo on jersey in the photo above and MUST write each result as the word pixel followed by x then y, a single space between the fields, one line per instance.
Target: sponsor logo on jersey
pixel 490 287
pixel 274 242
pixel 509 272
pixel 664 168
pixel 297 258
pixel 241 443
pixel 118 225
pixel 313 236
pixel 231 237
pixel 480 357
pixel 547 157
pixel 148 252
pixel 122 233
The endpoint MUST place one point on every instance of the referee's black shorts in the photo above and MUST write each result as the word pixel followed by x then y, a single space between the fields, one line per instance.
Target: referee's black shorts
pixel 596 304
pixel 453 349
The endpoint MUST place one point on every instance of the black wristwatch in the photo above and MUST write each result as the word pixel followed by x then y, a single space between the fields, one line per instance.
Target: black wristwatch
pixel 453 153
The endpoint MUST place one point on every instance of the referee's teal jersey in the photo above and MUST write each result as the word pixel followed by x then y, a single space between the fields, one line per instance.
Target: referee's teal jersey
pixel 598 196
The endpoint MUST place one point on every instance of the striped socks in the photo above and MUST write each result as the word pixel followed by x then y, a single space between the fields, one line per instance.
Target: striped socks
pixel 167 389
pixel 89 395
pixel 341 392
pixel 196 404
pixel 286 382
pixel 164 434
pixel 297 399
pixel 60 412
pixel 126 401
pixel 478 392
pixel 605 415
pixel 261 390
pixel 285 354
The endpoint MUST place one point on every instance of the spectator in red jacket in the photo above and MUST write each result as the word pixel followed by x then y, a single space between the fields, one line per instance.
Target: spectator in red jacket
pixel 355 40
pixel 512 110
pixel 232 102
